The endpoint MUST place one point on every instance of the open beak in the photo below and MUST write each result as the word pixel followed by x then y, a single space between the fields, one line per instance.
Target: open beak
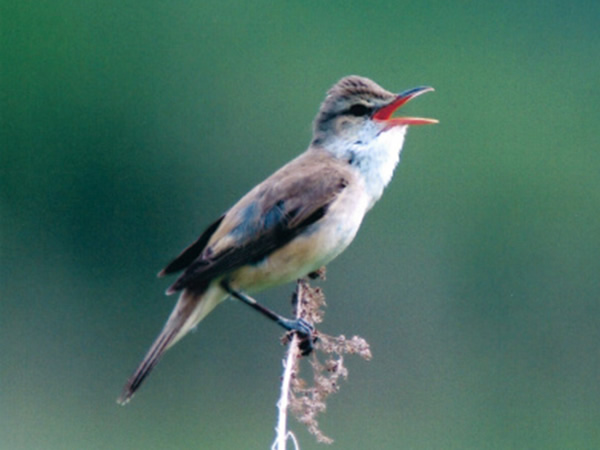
pixel 384 114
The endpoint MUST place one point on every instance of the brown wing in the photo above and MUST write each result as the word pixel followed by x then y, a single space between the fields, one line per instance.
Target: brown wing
pixel 192 252
pixel 267 218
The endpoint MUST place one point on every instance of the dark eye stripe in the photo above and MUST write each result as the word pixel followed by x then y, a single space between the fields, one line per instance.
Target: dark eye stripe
pixel 359 110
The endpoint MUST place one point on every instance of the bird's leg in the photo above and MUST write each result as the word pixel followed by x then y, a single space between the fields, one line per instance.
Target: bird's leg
pixel 300 326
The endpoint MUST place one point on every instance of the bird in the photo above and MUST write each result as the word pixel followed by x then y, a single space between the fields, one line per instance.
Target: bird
pixel 297 220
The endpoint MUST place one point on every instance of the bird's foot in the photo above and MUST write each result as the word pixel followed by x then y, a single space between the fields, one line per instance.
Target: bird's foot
pixel 305 332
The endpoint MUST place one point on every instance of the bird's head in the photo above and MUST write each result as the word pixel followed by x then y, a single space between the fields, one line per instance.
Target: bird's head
pixel 357 109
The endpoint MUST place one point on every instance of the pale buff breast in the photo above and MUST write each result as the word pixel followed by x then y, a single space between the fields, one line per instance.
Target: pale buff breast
pixel 317 246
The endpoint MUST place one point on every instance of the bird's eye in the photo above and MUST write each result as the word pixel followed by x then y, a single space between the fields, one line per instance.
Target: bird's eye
pixel 359 110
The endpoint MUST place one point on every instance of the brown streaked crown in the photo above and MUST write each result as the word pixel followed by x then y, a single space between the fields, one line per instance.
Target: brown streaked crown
pixel 355 86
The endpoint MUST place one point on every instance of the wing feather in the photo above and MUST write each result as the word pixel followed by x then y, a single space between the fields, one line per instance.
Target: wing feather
pixel 192 252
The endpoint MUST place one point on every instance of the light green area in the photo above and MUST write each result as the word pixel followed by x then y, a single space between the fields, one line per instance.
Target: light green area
pixel 126 127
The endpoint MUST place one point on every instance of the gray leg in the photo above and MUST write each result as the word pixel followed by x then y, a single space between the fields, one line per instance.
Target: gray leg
pixel 300 326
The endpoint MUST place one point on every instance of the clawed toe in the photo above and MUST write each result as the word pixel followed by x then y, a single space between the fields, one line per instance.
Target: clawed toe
pixel 305 332
pixel 307 343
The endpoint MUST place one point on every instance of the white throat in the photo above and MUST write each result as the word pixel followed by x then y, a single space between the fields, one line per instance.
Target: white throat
pixel 375 156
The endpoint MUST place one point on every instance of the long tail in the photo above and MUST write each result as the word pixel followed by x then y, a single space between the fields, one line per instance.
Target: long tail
pixel 190 309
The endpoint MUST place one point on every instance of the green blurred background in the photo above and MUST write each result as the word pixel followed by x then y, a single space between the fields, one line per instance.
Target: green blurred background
pixel 128 126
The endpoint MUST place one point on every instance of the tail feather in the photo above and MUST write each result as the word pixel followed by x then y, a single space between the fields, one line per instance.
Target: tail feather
pixel 190 309
pixel 150 360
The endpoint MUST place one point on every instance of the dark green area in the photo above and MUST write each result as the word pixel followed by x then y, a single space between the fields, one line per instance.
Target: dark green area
pixel 127 127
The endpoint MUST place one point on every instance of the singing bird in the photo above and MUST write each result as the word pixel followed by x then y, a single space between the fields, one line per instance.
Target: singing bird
pixel 298 219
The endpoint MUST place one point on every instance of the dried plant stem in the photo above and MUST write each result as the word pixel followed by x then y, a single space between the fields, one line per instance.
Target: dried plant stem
pixel 306 401
pixel 290 366
pixel 284 399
